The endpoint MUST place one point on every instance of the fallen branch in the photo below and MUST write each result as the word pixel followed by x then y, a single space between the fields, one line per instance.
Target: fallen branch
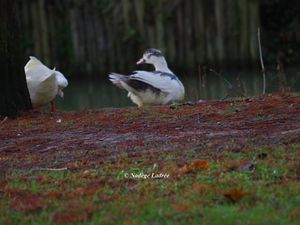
pixel 261 61
pixel 52 169
pixel 291 131
pixel 5 118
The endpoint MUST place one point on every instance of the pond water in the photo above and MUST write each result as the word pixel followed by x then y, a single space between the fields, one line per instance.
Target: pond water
pixel 99 93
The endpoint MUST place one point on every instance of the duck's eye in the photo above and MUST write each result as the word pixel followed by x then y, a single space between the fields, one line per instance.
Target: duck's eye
pixel 148 56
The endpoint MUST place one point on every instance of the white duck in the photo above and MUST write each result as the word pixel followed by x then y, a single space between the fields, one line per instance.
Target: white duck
pixel 160 86
pixel 43 83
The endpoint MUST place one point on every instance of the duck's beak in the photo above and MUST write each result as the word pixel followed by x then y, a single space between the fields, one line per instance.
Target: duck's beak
pixel 141 61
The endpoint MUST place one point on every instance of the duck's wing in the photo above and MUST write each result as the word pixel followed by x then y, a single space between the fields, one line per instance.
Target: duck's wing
pixel 142 80
pixel 42 93
pixel 131 84
pixel 163 81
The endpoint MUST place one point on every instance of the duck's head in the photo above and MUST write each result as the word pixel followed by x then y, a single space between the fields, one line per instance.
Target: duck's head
pixel 155 57
pixel 62 82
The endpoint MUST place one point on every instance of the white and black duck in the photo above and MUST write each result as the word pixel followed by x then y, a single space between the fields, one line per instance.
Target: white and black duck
pixel 160 86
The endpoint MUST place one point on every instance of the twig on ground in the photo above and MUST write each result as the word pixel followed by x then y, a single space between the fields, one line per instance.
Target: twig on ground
pixel 52 169
pixel 261 61
pixel 5 118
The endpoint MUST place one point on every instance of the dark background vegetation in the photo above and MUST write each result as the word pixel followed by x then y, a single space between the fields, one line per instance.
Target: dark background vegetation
pixel 93 37
pixel 14 95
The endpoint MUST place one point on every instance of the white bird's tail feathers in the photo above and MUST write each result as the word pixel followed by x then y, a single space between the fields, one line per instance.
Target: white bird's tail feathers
pixel 116 76
pixel 117 79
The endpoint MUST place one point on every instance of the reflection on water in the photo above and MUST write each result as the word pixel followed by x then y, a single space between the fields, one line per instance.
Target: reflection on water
pixel 93 94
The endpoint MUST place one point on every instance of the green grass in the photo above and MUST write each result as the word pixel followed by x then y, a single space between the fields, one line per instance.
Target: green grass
pixel 105 196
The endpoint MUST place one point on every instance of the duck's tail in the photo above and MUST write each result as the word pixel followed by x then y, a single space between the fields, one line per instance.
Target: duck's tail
pixel 33 61
pixel 116 76
pixel 117 79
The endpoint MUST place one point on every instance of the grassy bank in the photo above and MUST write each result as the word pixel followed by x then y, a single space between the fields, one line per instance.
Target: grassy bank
pixel 229 162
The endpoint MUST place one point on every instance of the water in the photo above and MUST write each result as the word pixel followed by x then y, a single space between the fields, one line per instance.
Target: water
pixel 99 93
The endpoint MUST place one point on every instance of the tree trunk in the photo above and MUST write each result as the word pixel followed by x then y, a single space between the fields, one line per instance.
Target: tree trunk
pixel 14 95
